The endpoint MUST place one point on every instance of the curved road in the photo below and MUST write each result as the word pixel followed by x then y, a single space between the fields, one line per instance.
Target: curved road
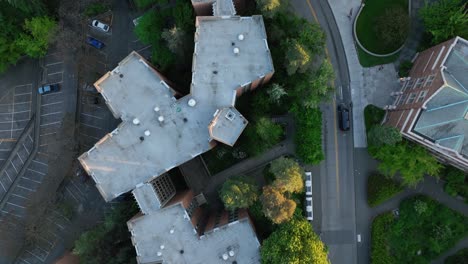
pixel 335 210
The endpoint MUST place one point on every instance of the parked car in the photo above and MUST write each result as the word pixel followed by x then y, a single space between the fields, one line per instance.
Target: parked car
pixel 95 43
pixel 308 183
pixel 309 209
pixel 50 88
pixel 99 25
pixel 343 117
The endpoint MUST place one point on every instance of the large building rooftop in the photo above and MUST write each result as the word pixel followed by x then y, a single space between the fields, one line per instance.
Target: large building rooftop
pixel 174 240
pixel 445 118
pixel 158 131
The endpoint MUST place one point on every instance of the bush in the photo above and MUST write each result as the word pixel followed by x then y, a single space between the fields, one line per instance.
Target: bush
pixel 143 4
pixel 263 226
pixel 95 9
pixel 238 192
pixel 405 68
pixel 380 251
pixel 424 226
pixel 308 136
pixel 456 182
pixel 373 116
pixel 380 189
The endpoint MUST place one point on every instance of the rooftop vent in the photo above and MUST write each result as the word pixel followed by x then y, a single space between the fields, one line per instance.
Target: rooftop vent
pixel 161 119
pixel 136 121
pixel 231 253
pixel 147 133
pixel 230 115
pixel 236 51
pixel 159 253
pixel 225 256
pixel 142 139
pixel 161 247
pixel 156 109
pixel 240 37
pixel 171 231
pixel 192 102
pixel 181 251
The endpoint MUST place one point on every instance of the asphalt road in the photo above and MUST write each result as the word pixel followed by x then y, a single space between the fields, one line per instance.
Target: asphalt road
pixel 335 209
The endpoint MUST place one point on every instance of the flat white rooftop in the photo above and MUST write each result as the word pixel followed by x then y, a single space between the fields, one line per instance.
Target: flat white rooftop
pixel 184 246
pixel 159 132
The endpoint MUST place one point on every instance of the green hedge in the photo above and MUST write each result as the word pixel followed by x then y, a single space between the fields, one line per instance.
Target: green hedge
pixel 456 182
pixel 380 189
pixel 143 4
pixel 380 253
pixel 309 135
pixel 95 9
pixel 373 116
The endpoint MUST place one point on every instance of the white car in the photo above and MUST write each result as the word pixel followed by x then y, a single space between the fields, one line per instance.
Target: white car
pixel 308 183
pixel 309 209
pixel 99 25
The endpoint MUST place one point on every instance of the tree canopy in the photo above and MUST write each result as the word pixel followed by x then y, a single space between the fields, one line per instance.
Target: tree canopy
pixel 270 8
pixel 383 135
pixel 445 19
pixel 410 160
pixel 294 242
pixel 40 31
pixel 288 175
pixel 275 206
pixel 238 192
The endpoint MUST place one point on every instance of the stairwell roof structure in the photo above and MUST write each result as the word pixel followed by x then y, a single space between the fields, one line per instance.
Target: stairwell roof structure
pixel 160 132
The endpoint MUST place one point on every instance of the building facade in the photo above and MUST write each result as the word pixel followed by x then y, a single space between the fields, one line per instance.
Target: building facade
pixel 431 107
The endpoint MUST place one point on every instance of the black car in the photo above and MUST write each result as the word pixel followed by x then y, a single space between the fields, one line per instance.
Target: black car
pixel 343 117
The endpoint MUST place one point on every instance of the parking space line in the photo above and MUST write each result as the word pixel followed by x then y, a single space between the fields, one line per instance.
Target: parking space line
pixel 34 255
pixel 92 105
pixel 20 196
pixel 25 260
pixel 48 124
pixel 92 116
pixel 42 163
pixel 31 180
pixel 71 193
pixel 22 94
pixel 73 182
pixel 22 120
pixel 19 216
pixel 83 134
pixel 47 134
pixel 3 186
pixel 16 205
pixel 8 175
pixel 54 113
pixel 37 171
pixel 52 94
pixel 16 129
pixel 54 73
pixel 22 187
pixel 59 102
pixel 11 161
pixel 19 157
pixel 26 149
pixel 30 138
pixel 12 118
pixel 84 124
pixel 5 149
pixel 55 63
pixel 48 242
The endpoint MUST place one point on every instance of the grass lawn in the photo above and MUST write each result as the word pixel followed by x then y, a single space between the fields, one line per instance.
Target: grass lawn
pixel 373 116
pixel 424 230
pixel 366 21
pixel 368 60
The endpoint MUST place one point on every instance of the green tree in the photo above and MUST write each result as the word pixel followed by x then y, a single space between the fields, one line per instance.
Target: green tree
pixel 268 131
pixel 175 39
pixel 308 136
pixel 149 23
pixel 276 92
pixel 275 206
pixel 383 135
pixel 288 175
pixel 32 7
pixel 40 32
pixel 270 8
pixel 298 57
pixel 410 160
pixel 238 192
pixel 312 36
pixel 445 19
pixel 294 242
pixel 392 27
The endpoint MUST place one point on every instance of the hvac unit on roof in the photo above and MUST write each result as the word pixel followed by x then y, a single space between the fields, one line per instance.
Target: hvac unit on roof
pixel 230 115
pixel 192 102
pixel 156 109
pixel 236 51
pixel 225 256
pixel 231 253
pixel 147 133
pixel 240 37
pixel 136 121
pixel 161 119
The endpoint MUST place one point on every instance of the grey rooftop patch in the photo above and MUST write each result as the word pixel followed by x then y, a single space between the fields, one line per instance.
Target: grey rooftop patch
pixel 174 240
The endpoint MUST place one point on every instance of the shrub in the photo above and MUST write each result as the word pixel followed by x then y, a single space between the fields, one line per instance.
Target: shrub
pixel 238 192
pixel 380 189
pixel 373 116
pixel 95 9
pixel 456 182
pixel 460 257
pixel 383 135
pixel 405 68
pixel 380 251
pixel 308 136
pixel 143 4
